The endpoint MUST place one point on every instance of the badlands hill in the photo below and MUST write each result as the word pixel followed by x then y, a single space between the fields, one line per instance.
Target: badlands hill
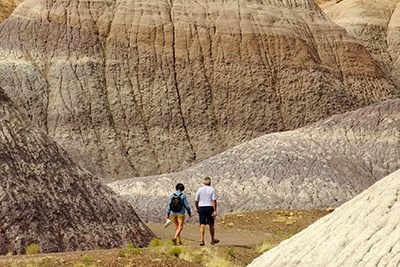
pixel 7 7
pixel 135 88
pixel 362 232
pixel 47 199
pixel 318 166
pixel 376 23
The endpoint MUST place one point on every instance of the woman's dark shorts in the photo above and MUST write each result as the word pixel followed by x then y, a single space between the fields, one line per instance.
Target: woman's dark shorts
pixel 205 215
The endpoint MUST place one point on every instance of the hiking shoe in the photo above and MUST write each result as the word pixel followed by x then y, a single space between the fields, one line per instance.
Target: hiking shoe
pixel 215 241
pixel 202 243
pixel 174 241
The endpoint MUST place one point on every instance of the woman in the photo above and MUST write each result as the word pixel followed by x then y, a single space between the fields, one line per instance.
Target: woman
pixel 178 204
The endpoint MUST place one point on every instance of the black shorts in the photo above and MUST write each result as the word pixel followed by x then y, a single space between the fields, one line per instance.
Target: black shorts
pixel 205 215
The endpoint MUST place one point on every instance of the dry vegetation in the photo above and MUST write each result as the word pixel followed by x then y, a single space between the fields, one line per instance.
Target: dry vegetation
pixel 274 225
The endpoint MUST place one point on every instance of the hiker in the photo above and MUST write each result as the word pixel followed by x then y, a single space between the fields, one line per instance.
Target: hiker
pixel 178 204
pixel 206 205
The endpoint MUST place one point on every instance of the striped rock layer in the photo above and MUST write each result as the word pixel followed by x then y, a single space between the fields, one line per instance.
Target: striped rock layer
pixel 142 87
pixel 376 24
pixel 46 199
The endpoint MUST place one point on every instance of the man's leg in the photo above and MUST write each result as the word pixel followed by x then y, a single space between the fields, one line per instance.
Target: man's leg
pixel 212 231
pixel 202 230
pixel 203 222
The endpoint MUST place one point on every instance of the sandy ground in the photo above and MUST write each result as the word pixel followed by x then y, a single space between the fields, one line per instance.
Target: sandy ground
pixel 240 233
pixel 190 235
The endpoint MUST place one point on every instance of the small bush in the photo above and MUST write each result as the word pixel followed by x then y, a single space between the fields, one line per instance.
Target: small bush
pixel 265 246
pixel 87 259
pixel 156 243
pixel 32 249
pixel 192 256
pixel 176 251
pixel 45 262
pixel 230 252
pixel 218 261
pixel 129 251
pixel 169 243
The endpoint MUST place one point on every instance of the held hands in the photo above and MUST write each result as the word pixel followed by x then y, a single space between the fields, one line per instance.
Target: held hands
pixel 214 214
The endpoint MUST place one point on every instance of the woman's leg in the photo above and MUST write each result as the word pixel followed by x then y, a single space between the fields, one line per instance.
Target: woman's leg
pixel 179 227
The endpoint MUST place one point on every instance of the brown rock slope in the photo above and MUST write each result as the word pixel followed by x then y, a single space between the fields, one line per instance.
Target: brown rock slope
pixel 318 166
pixel 376 23
pixel 144 87
pixel 362 232
pixel 48 200
pixel 7 7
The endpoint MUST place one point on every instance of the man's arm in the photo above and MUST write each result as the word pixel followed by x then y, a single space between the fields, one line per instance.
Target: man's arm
pixel 214 203
pixel 196 203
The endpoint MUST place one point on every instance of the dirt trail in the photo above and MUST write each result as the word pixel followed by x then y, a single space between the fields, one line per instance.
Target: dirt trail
pixel 190 235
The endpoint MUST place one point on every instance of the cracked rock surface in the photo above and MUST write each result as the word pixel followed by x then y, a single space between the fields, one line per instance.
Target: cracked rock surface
pixel 7 7
pixel 46 199
pixel 142 87
pixel 318 166
pixel 376 23
pixel 362 232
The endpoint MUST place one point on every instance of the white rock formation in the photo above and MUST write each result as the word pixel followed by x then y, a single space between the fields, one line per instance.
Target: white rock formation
pixel 363 232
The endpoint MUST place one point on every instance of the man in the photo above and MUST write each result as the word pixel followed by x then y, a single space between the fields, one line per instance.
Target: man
pixel 178 204
pixel 206 205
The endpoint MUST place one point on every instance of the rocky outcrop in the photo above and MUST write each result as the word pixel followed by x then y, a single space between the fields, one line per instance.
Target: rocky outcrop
pixel 144 87
pixel 318 166
pixel 46 199
pixel 7 7
pixel 376 23
pixel 362 232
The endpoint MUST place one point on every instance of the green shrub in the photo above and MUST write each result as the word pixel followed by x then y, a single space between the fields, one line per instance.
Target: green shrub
pixel 265 246
pixel 215 260
pixel 156 243
pixel 32 249
pixel 192 256
pixel 87 259
pixel 230 252
pixel 129 251
pixel 176 251
pixel 45 262
pixel 169 243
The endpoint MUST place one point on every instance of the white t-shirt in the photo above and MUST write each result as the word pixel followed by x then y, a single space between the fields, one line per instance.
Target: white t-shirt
pixel 205 195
